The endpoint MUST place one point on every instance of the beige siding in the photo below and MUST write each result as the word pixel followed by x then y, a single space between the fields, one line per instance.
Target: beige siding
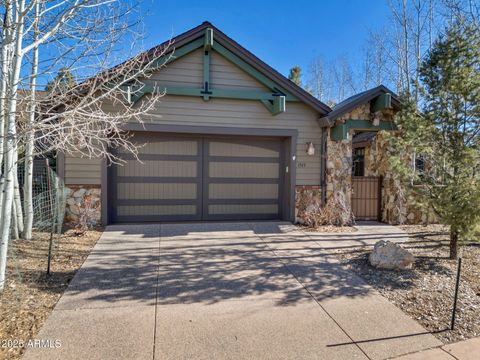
pixel 186 71
pixel 225 75
pixel 180 110
pixel 82 171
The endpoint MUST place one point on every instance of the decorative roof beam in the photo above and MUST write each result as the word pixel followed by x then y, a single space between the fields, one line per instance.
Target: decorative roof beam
pixel 275 106
pixel 175 54
pixel 227 54
pixel 207 47
pixel 275 102
pixel 381 102
pixel 208 40
pixel 340 132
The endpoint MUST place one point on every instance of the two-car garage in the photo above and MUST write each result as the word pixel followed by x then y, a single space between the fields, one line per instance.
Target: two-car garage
pixel 227 140
pixel 199 177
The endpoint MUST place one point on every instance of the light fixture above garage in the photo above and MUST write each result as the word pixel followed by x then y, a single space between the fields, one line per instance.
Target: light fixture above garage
pixel 310 150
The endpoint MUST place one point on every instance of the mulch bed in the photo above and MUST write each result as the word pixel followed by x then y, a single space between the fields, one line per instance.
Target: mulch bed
pixel 30 295
pixel 330 229
pixel 426 292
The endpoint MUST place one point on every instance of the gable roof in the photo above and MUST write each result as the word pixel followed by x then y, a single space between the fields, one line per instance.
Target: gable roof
pixel 352 102
pixel 245 55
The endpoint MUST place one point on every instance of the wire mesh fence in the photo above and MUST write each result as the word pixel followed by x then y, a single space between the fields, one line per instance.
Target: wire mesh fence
pixel 49 201
pixel 49 196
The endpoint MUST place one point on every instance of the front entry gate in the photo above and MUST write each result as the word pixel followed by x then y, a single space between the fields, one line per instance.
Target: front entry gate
pixel 366 197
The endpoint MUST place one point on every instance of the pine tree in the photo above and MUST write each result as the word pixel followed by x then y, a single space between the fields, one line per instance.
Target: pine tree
pixel 295 75
pixel 446 132
pixel 62 82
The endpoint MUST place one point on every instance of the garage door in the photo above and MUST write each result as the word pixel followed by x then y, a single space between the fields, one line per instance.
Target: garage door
pixel 180 178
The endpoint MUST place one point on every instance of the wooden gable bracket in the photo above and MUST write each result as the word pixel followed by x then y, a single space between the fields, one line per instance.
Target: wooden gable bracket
pixel 274 101
pixel 275 106
pixel 381 102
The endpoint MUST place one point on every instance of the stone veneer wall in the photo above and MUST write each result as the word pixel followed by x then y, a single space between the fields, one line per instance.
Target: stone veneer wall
pixel 339 167
pixel 306 196
pixel 75 207
pixel 339 157
pixel 398 206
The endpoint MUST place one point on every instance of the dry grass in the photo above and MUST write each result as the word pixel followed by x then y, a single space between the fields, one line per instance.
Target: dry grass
pixel 30 295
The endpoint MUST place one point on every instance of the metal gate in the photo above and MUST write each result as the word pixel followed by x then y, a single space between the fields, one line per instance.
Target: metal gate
pixel 366 197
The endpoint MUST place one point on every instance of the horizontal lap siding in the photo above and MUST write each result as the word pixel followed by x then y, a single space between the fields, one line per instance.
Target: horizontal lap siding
pixel 194 111
pixel 82 171
pixel 225 75
pixel 186 71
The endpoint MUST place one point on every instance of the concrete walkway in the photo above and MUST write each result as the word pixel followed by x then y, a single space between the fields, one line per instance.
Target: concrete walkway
pixel 463 350
pixel 226 291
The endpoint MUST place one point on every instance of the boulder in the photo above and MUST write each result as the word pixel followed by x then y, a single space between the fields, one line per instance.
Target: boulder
pixel 390 256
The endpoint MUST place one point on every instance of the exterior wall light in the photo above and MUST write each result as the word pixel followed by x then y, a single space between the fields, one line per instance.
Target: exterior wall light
pixel 310 149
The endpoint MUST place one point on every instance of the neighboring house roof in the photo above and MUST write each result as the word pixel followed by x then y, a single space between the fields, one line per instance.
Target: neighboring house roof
pixel 354 101
pixel 246 56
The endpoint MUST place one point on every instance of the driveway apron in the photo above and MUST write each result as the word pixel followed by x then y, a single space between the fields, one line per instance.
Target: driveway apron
pixel 222 291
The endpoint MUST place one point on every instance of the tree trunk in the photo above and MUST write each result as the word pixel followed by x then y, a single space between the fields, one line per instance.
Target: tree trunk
pixel 11 145
pixel 17 201
pixel 30 143
pixel 453 244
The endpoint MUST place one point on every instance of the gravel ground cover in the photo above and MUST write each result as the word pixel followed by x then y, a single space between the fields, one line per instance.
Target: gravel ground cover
pixel 426 292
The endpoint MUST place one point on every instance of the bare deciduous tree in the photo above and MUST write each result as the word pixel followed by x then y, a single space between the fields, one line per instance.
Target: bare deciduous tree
pixel 86 118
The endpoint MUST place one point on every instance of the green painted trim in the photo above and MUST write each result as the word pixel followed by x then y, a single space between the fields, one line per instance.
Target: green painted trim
pixel 278 105
pixel 208 41
pixel 177 54
pixel 381 102
pixel 207 47
pixel 206 75
pixel 219 93
pixel 275 106
pixel 274 103
pixel 250 70
pixel 340 132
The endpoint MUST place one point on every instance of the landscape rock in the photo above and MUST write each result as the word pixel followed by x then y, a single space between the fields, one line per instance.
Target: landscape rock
pixel 79 192
pixel 390 256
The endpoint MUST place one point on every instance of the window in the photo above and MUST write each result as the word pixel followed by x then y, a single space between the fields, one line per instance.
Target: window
pixel 419 164
pixel 358 168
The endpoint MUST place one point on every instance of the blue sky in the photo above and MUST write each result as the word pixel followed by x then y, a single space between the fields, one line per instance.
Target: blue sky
pixel 281 33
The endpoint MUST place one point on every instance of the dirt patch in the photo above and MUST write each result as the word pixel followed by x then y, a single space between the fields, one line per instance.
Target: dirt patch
pixel 30 295
pixel 426 292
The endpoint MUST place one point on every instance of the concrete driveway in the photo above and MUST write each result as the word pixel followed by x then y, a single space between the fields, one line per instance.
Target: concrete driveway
pixel 226 291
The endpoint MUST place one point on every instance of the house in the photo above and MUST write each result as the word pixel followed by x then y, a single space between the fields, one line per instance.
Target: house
pixel 233 139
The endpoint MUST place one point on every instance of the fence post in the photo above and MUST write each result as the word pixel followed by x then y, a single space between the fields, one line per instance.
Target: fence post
pixel 53 215
pixel 455 298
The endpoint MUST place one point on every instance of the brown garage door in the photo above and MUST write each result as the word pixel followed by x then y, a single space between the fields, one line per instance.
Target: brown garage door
pixel 184 178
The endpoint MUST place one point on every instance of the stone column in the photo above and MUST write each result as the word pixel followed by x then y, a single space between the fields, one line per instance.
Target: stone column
pixel 339 167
